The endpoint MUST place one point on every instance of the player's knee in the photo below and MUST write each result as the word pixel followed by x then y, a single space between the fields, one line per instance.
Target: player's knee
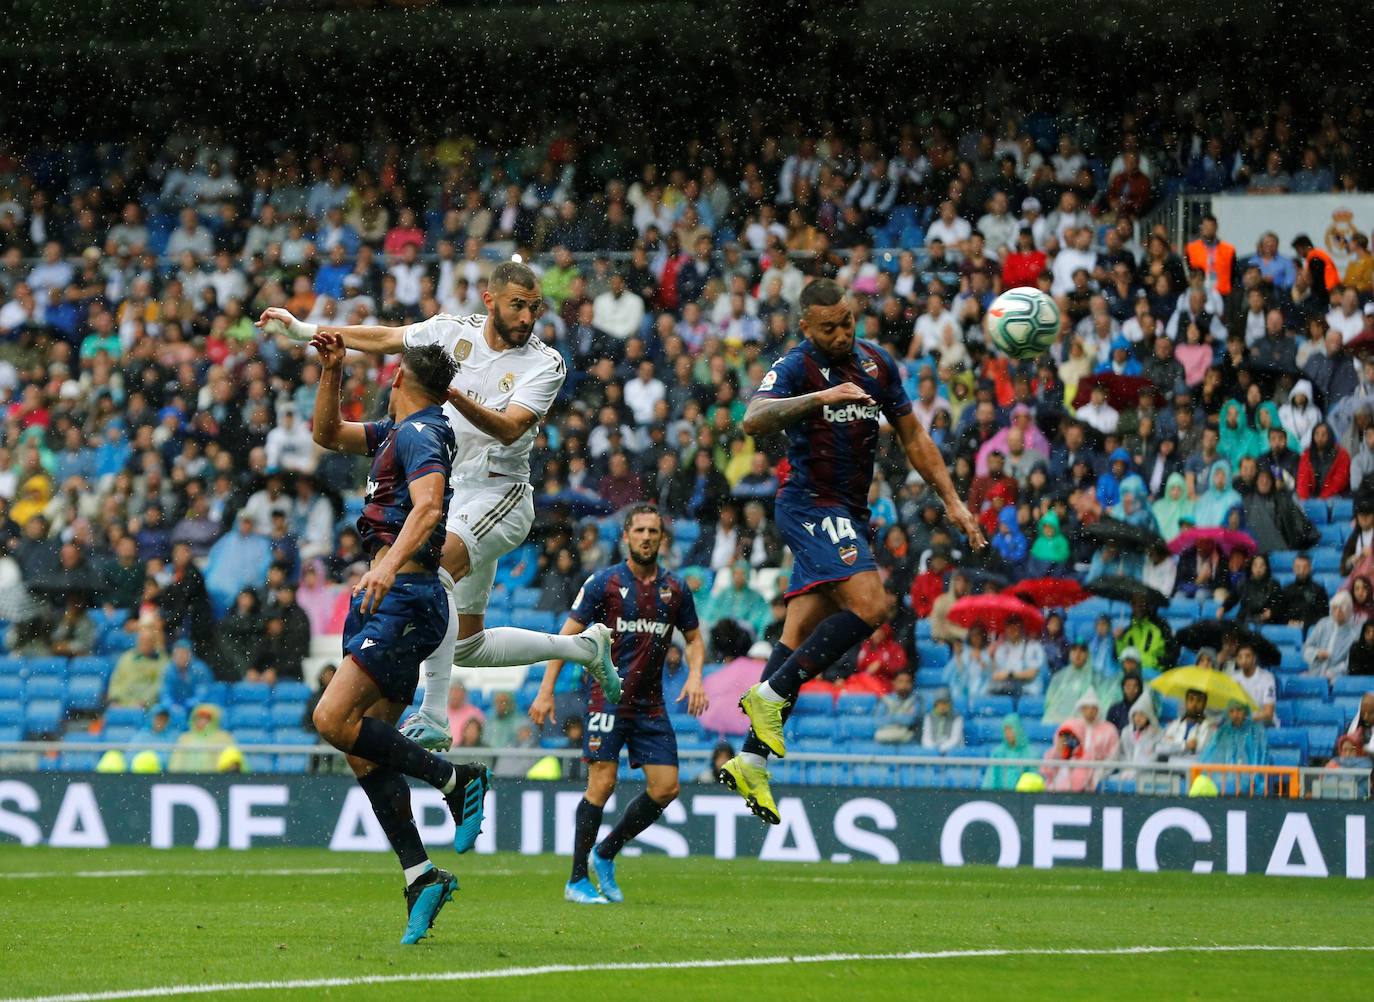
pixel 330 724
pixel 599 790
pixel 665 793
pixel 871 609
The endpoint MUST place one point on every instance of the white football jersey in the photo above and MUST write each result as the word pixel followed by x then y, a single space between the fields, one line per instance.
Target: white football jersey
pixel 530 377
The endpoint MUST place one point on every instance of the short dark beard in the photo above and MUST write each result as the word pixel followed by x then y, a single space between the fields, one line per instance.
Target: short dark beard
pixel 504 332
pixel 649 561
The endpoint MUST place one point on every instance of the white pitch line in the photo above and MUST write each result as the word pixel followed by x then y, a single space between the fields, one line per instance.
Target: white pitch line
pixel 169 991
pixel 321 871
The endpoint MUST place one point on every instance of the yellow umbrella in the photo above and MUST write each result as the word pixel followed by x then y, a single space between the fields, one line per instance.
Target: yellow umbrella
pixel 1219 687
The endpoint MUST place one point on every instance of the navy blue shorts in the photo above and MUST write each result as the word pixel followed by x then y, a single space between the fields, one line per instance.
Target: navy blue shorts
pixel 650 740
pixel 404 630
pixel 827 544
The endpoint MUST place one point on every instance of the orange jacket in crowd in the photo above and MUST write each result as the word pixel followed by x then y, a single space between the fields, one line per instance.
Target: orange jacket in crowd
pixel 1218 260
pixel 1331 275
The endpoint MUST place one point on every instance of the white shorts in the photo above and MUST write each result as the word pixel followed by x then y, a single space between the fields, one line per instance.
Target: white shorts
pixel 491 522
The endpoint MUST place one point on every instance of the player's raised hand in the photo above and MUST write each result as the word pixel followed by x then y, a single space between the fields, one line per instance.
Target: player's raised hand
pixel 330 345
pixel 541 710
pixel 963 518
pixel 695 694
pixel 279 322
pixel 845 393
pixel 373 586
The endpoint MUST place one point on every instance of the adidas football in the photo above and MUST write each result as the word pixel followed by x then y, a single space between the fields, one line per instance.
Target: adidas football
pixel 1023 323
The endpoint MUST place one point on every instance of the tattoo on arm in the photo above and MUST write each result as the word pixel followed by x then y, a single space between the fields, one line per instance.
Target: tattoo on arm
pixel 769 414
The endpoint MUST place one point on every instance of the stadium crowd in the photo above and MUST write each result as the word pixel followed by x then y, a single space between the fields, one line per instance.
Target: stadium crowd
pixel 157 469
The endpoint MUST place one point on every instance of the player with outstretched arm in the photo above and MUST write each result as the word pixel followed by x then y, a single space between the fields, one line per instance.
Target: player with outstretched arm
pixel 398 614
pixel 643 604
pixel 827 394
pixel 504 382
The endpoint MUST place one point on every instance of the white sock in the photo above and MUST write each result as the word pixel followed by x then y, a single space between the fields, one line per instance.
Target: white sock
pixel 766 691
pixel 757 761
pixel 437 668
pixel 414 873
pixel 506 646
pixel 451 785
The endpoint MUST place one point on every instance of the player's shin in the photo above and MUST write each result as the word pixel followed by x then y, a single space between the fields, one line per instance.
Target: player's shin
pixel 642 812
pixel 504 646
pixel 834 635
pixel 380 742
pixel 389 795
pixel 437 668
pixel 587 824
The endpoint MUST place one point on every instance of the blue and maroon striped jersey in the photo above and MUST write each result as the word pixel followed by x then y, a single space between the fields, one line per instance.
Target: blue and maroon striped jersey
pixel 402 453
pixel 831 452
pixel 642 616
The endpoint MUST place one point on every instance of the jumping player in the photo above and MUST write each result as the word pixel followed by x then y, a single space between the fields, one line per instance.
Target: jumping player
pixel 505 382
pixel 643 604
pixel 827 394
pixel 398 615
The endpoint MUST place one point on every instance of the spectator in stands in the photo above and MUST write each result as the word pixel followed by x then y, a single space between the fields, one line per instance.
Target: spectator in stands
pixel 238 561
pixel 74 632
pixel 738 603
pixel 1123 692
pixel 1361 660
pixel 1018 662
pixel 199 748
pixel 1327 648
pixel 1069 684
pixel 970 666
pixel 1258 598
pixel 157 729
pixel 1220 497
pixel 1358 551
pixel 1273 517
pixel 1190 733
pixel 1013 746
pixel 501 725
pixel 880 658
pixel 1140 741
pixel 137 675
pixel 1304 601
pixel 1324 471
pixel 943 728
pixel 1068 746
pixel 1238 740
pixel 898 714
pixel 1257 682
pixel 184 676
pixel 238 637
pixel 941 629
pixel 1100 737
pixel 1173 506
pixel 1148 635
pixel 461 709
pixel 121 584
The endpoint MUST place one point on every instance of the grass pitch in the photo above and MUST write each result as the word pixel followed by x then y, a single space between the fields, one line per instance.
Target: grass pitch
pixel 108 923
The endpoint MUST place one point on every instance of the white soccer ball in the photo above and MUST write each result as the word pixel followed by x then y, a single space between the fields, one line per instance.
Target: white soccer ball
pixel 1023 323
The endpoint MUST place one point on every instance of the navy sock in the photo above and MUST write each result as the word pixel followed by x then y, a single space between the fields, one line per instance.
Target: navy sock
pixel 781 652
pixel 643 811
pixel 827 643
pixel 389 795
pixel 584 837
pixel 380 742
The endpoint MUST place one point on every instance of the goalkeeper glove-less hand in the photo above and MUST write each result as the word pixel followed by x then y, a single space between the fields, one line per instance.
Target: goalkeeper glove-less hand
pixel 296 330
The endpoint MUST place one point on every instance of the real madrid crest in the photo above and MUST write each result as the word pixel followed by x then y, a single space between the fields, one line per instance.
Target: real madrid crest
pixel 462 350
pixel 507 382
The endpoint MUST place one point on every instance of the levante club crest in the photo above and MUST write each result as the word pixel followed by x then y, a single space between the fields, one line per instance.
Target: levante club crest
pixel 849 554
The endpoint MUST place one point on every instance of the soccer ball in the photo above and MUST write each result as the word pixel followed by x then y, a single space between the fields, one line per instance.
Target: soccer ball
pixel 1023 323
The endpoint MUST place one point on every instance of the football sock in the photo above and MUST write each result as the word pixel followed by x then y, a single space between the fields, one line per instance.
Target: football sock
pixel 380 742
pixel 753 746
pixel 437 668
pixel 643 811
pixel 827 643
pixel 584 837
pixel 505 646
pixel 389 795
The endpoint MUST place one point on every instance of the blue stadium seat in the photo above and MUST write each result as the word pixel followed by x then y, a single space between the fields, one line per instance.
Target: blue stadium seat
pixel 78 761
pixel 45 687
pixel 1282 560
pixel 1352 685
pixel 293 765
pixel 686 532
pixel 213 692
pixel 1285 756
pixel 911 237
pixel 124 716
pixel 927 678
pixel 534 619
pixel 252 735
pixel 1291 660
pixel 1332 535
pixel 11 688
pixel 46 667
pixel 856 704
pixel 11 666
pixel 932 654
pixel 287 714
pixel 250 692
pixel 1310 711
pixel 983 730
pixel 813 727
pixel 857 728
pixel 42 716
pixel 85 693
pixel 1326 561
pixel 1304 687
pixel 1037 731
pixel 525 598
pixel 11 732
pixel 115 643
pixel 247 715
pixel 1316 510
pixel 291 692
pixel 922 629
pixel 1342 510
pixel 117 735
pixel 1031 706
pixel 11 713
pixel 91 665
pixel 1321 740
pixel 294 736
pixel 1289 737
pixel 1283 635
pixel 814 703
pixel 992 706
